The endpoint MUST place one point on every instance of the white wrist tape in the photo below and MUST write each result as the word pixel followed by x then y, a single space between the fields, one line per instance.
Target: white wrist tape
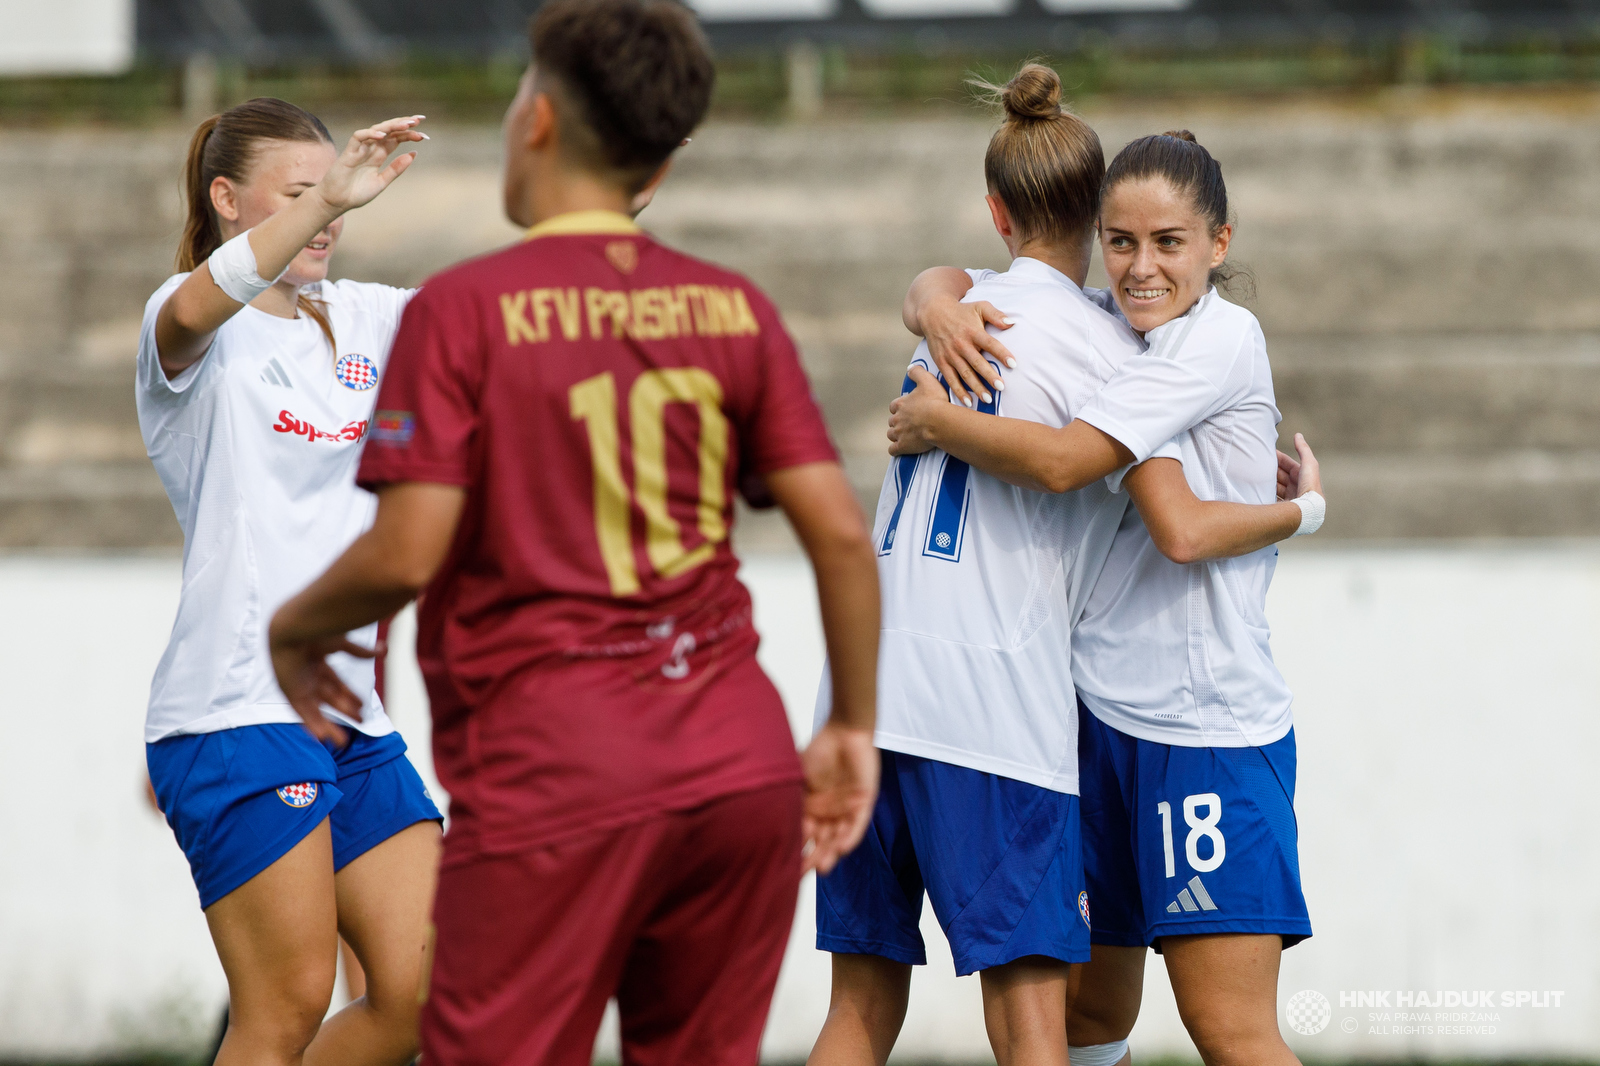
pixel 233 268
pixel 1097 1054
pixel 1313 509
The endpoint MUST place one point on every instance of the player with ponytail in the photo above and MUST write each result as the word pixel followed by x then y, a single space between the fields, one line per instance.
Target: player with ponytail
pixel 1187 744
pixel 982 582
pixel 255 382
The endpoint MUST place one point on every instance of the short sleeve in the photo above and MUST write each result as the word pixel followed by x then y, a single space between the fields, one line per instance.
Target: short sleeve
pixel 980 275
pixel 427 411
pixel 152 379
pixel 1169 450
pixel 782 425
pixel 1185 378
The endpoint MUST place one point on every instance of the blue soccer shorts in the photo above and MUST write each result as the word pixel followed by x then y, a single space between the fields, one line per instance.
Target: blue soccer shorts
pixel 999 859
pixel 239 799
pixel 1180 840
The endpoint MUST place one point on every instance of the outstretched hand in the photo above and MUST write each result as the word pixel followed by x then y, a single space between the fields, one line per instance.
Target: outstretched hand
pixel 309 682
pixel 1296 477
pixel 360 173
pixel 911 415
pixel 958 343
pixel 841 769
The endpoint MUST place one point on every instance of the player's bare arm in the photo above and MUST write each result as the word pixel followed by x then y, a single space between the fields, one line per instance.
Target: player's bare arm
pixel 841 765
pixel 301 212
pixel 957 340
pixel 380 573
pixel 1026 454
pixel 1188 529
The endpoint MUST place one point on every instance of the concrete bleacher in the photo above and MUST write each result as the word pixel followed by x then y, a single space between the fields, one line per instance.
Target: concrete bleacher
pixel 1424 270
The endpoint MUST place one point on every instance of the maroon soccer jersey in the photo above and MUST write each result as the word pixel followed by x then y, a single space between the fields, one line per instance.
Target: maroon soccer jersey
pixel 587 643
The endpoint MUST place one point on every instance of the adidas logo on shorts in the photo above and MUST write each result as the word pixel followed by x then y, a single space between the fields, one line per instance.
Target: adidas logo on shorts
pixel 1186 902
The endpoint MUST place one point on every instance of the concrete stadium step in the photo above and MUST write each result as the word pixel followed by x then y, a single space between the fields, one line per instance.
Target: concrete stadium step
pixel 86 505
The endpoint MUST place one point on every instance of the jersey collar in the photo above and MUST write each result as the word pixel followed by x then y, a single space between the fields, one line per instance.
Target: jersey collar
pixel 575 223
pixel 1029 266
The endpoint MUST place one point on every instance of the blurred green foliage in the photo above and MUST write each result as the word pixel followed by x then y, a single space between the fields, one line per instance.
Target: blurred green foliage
pixel 754 85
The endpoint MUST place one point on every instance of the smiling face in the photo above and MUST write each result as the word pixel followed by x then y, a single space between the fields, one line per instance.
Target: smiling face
pixel 279 172
pixel 1158 250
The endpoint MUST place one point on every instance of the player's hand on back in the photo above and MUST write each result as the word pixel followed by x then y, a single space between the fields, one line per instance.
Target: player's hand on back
pixel 841 770
pixel 360 173
pixel 911 415
pixel 959 345
pixel 309 682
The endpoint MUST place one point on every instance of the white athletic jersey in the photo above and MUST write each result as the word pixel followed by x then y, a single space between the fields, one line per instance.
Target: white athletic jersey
pixel 981 579
pixel 257 445
pixel 1179 654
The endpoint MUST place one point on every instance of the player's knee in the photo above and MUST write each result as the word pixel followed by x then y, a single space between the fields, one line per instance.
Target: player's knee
pixel 284 1020
pixel 1228 1038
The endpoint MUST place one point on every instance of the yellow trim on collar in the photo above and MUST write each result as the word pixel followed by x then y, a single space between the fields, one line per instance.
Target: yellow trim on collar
pixel 583 222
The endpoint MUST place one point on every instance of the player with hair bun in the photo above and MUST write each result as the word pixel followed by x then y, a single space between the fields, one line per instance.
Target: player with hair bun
pixel 255 384
pixel 1187 752
pixel 562 430
pixel 978 719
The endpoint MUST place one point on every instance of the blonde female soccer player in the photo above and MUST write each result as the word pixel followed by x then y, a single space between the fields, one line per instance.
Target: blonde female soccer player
pixel 256 378
pixel 1187 754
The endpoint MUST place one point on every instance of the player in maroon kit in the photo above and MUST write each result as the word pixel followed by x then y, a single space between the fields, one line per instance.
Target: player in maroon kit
pixel 555 452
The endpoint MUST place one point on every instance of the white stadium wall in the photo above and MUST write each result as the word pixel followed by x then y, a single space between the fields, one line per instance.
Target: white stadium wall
pixel 1448 710
pixel 65 36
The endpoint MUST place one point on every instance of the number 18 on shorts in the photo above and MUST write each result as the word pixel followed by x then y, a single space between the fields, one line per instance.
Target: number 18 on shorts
pixel 1183 840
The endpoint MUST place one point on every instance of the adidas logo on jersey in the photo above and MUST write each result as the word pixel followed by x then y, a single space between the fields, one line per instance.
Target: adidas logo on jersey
pixel 273 374
pixel 1186 902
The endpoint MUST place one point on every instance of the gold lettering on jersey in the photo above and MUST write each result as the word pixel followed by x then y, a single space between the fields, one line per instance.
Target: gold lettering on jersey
pixel 659 313
pixel 647 402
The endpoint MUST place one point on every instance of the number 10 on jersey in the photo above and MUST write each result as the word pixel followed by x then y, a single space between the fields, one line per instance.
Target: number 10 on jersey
pixel 593 401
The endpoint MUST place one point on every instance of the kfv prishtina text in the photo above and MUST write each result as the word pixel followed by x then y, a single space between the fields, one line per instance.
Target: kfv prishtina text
pixel 534 316
pixel 1474 998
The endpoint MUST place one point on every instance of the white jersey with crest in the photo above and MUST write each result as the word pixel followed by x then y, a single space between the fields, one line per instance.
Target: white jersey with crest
pixel 257 446
pixel 981 580
pixel 1180 654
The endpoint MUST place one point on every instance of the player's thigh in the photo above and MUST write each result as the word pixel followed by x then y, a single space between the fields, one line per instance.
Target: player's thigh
pixel 698 979
pixel 1024 1009
pixel 1226 986
pixel 384 897
pixel 1104 995
pixel 276 936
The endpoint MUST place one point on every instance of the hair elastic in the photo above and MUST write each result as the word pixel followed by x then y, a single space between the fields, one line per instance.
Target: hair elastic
pixel 233 268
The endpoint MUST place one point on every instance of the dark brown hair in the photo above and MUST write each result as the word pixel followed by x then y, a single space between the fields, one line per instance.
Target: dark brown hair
pixel 225 146
pixel 636 75
pixel 1045 164
pixel 1180 159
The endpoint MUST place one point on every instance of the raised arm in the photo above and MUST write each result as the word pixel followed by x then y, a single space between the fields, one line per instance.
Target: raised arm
pixel 195 311
pixel 957 340
pixel 1187 529
pixel 841 764
pixel 1026 454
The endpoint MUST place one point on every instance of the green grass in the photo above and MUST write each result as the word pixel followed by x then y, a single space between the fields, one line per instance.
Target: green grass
pixel 754 85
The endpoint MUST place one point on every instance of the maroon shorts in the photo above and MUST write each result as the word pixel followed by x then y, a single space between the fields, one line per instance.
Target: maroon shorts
pixel 683 917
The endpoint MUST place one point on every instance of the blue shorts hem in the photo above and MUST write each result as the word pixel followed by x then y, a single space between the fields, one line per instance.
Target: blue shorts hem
pixel 967 965
pixel 352 851
pixel 213 889
pixel 839 945
pixel 1290 930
